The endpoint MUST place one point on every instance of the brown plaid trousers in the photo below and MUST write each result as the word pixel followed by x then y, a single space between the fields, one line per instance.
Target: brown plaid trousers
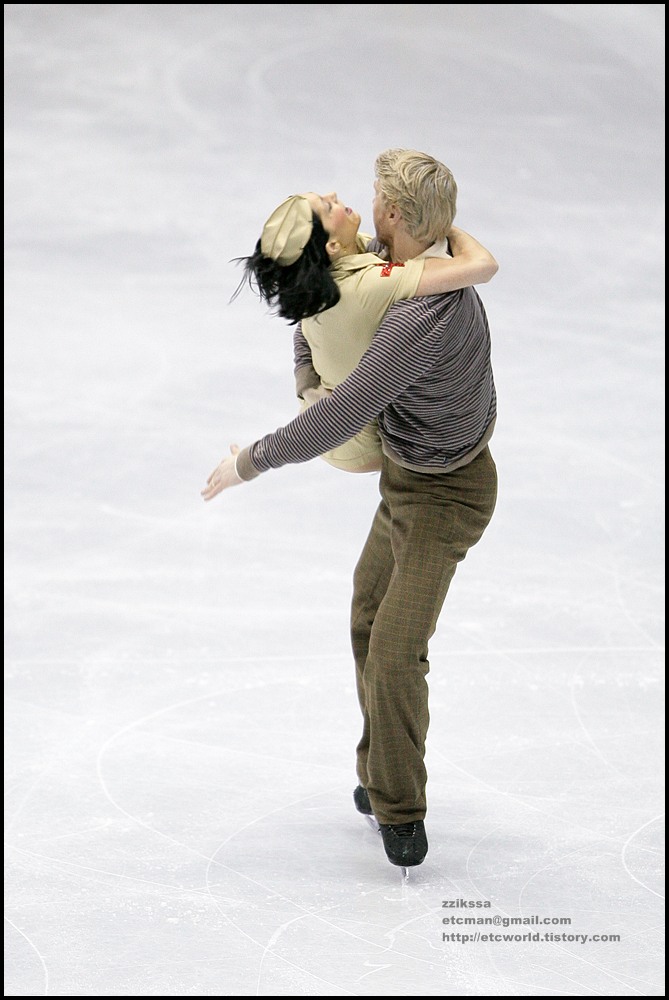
pixel 424 526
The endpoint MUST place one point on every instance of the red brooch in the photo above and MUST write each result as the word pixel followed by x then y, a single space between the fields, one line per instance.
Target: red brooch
pixel 387 268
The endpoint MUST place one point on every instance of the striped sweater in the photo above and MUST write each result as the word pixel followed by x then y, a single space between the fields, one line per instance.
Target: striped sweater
pixel 427 378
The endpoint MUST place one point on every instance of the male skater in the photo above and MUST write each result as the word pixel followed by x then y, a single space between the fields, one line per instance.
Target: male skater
pixel 427 379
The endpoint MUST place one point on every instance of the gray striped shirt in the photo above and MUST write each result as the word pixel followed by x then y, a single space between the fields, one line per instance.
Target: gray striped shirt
pixel 426 377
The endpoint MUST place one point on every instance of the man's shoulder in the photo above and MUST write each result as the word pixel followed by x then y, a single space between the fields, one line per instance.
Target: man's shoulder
pixel 375 245
pixel 431 312
pixel 426 303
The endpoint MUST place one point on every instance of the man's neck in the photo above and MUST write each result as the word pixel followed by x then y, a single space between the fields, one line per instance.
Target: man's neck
pixel 405 247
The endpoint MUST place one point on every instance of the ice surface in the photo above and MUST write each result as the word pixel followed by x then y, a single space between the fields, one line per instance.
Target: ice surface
pixel 180 714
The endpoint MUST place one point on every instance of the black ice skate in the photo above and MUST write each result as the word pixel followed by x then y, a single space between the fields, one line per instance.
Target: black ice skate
pixel 405 843
pixel 364 806
pixel 361 799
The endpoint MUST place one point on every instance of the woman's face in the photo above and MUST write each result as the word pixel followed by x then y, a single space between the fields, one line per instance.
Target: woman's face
pixel 339 222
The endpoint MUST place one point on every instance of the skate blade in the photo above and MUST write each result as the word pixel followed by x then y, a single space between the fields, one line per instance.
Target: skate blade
pixel 404 871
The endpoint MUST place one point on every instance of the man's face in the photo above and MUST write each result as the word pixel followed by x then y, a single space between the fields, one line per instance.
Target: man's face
pixel 380 212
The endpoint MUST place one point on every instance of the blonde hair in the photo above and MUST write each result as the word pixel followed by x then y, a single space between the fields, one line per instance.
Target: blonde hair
pixel 423 189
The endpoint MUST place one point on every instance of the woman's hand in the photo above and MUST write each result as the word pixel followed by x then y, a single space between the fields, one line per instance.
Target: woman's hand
pixel 223 476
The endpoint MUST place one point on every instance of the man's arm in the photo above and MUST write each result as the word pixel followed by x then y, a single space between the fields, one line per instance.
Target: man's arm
pixel 470 264
pixel 405 346
pixel 306 376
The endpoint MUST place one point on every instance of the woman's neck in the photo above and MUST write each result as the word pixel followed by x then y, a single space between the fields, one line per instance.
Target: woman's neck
pixel 346 251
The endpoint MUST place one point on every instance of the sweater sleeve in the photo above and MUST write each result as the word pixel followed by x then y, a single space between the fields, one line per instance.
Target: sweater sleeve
pixel 306 376
pixel 404 347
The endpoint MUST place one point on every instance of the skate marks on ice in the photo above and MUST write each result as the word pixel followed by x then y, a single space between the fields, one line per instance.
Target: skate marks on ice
pixel 210 835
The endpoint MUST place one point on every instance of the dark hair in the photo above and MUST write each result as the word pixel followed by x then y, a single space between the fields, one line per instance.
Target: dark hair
pixel 295 291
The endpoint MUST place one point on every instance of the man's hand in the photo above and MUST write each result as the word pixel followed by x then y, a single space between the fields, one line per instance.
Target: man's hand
pixel 223 476
pixel 311 396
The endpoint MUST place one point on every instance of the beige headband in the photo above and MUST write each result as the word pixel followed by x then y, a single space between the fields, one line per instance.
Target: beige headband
pixel 287 230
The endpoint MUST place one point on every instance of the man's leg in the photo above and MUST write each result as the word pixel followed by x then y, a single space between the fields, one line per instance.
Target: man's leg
pixel 370 582
pixel 432 521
